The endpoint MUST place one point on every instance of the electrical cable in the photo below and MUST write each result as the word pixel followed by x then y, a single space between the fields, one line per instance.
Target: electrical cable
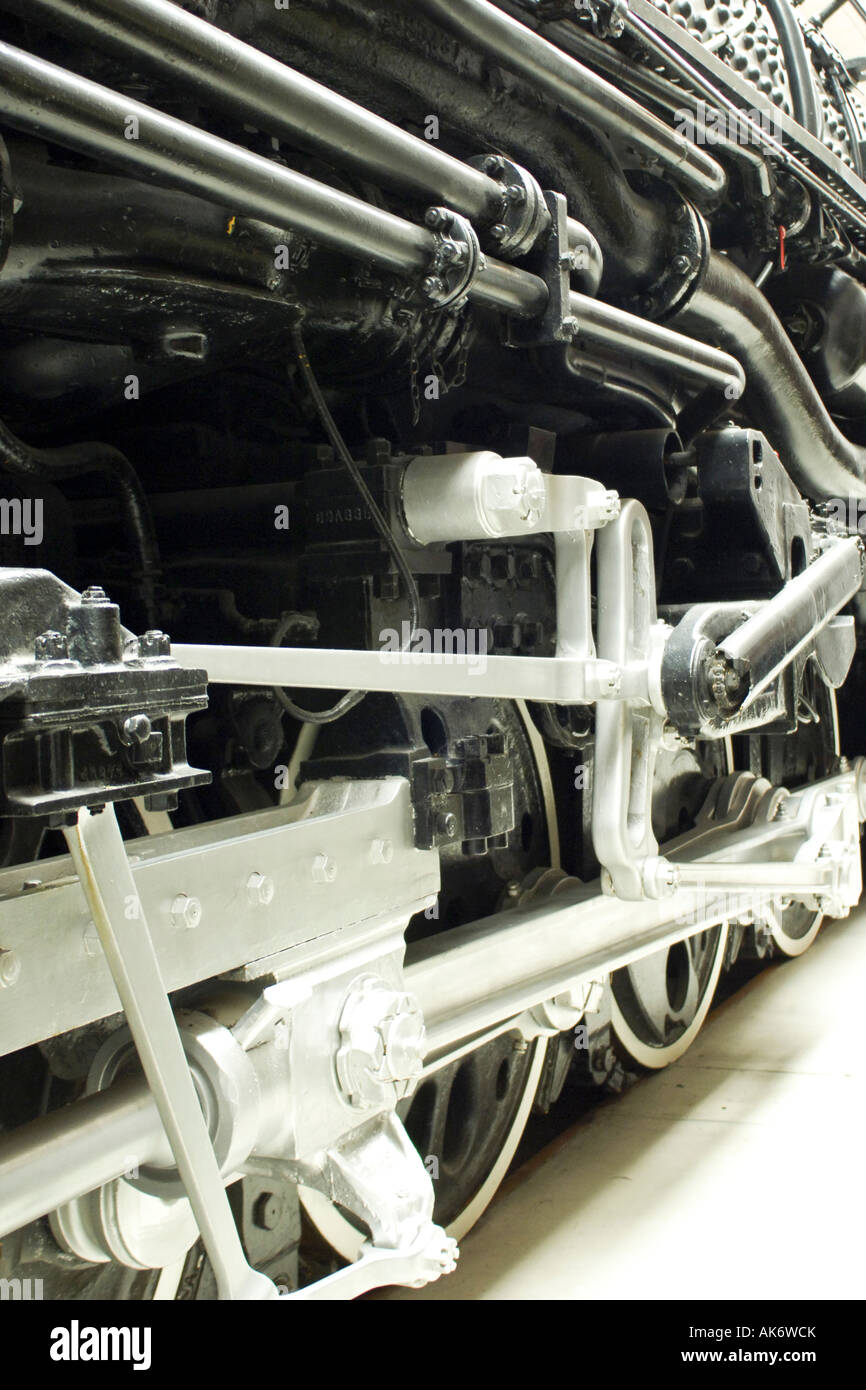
pixel 353 697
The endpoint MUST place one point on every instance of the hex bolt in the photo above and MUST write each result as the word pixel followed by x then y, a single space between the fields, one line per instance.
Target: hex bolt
pixel 10 968
pixel 381 851
pixel 436 218
pixel 137 728
pixel 260 890
pixel 493 164
pixel 267 1210
pixel 433 286
pixel 324 869
pixel 446 824
pixel 499 231
pixel 680 265
pixel 185 911
pixel 50 646
pixel 515 194
pixel 94 594
pixel 154 643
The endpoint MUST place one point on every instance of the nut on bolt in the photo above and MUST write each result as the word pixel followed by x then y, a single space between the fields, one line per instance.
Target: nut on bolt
pixel 154 643
pixel 446 824
pixel 137 728
pixel 50 646
pixel 185 911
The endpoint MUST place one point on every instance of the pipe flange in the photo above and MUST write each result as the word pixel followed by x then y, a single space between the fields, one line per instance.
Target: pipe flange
pixel 524 215
pixel 689 252
pixel 457 258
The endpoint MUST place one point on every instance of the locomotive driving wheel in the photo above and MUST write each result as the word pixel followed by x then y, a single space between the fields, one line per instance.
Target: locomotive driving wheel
pixel 659 1003
pixel 467 1118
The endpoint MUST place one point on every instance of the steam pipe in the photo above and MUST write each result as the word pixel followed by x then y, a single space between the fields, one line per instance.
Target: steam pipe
pixel 39 97
pixel 728 309
pixel 579 91
pixel 235 77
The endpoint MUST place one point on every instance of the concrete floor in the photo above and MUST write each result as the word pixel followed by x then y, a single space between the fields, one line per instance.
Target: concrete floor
pixel 738 1172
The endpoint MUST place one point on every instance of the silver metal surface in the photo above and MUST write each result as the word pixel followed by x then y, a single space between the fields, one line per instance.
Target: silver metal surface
pixel 471 978
pixel 61 985
pixel 475 978
pixel 788 623
pixel 627 733
pixel 100 858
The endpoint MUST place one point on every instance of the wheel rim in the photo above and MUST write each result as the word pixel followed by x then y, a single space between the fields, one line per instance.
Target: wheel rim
pixel 801 758
pixel 489 1094
pixel 658 1004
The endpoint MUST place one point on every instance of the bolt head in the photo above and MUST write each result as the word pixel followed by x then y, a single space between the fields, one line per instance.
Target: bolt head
pixel 446 824
pixel 324 869
pixel 154 643
pixel 50 646
pixel 260 890
pixel 267 1210
pixel 137 728
pixel 10 969
pixel 381 851
pixel 498 232
pixel 94 594
pixel 494 164
pixel 436 218
pixel 433 286
pixel 186 912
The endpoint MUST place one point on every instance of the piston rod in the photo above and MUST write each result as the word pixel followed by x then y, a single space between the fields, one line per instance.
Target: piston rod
pixel 466 980
pixel 774 636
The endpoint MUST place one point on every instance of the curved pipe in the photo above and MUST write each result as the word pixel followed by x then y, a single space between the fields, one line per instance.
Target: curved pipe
pixel 728 309
pixel 634 232
pixel 24 461
pixel 580 91
pixel 586 257
pixel 797 66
